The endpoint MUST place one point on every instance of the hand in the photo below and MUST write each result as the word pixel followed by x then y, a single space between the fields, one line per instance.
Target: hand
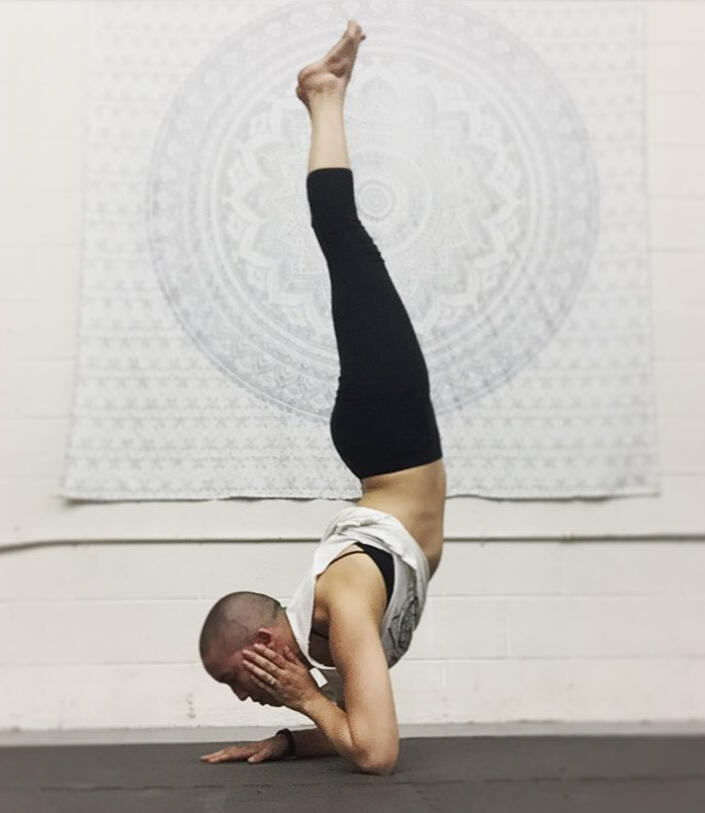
pixel 293 685
pixel 272 748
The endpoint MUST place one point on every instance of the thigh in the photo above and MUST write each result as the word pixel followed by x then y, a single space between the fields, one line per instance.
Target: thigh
pixel 377 435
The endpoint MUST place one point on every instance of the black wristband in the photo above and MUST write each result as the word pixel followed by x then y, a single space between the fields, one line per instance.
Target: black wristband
pixel 290 737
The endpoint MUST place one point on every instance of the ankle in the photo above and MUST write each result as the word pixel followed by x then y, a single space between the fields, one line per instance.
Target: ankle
pixel 327 99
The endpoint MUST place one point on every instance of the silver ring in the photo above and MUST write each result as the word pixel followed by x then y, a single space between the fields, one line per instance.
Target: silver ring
pixel 272 680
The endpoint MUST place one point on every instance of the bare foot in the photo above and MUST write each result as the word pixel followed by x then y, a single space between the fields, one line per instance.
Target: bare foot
pixel 332 73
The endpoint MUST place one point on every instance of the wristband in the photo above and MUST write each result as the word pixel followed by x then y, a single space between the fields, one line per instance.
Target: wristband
pixel 291 752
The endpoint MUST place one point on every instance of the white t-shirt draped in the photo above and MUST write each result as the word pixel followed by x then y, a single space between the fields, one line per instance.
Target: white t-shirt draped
pixel 406 603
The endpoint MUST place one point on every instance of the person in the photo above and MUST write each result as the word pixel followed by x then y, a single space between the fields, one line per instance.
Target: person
pixel 352 617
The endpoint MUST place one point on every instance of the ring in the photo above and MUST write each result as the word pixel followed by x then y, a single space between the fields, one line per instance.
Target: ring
pixel 272 680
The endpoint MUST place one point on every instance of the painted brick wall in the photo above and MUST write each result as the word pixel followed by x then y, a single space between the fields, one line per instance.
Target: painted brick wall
pixel 104 635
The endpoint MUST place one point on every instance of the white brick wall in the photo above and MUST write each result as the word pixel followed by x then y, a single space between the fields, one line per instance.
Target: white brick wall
pixel 104 635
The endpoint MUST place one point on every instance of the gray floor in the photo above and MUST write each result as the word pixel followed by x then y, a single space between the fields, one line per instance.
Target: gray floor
pixel 485 768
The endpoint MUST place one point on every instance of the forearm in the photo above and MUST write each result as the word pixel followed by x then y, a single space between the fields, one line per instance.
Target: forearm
pixel 332 722
pixel 312 742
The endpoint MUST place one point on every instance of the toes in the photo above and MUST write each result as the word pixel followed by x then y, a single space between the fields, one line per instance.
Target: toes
pixel 353 30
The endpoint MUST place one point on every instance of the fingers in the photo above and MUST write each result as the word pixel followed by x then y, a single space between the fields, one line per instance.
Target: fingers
pixel 216 756
pixel 236 753
pixel 229 754
pixel 264 657
pixel 264 662
pixel 270 654
pixel 259 675
pixel 261 682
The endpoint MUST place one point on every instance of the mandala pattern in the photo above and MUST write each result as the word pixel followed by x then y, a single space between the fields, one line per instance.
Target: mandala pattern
pixel 488 207
pixel 497 152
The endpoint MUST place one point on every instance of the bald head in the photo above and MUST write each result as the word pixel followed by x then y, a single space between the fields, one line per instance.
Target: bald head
pixel 233 621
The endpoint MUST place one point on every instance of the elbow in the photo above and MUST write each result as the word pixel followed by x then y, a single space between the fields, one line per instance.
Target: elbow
pixel 377 768
pixel 383 769
pixel 379 764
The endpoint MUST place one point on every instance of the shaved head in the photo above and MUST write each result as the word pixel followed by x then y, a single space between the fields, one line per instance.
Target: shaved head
pixel 233 622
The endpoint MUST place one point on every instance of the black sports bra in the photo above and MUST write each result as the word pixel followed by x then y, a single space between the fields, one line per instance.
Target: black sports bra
pixel 383 560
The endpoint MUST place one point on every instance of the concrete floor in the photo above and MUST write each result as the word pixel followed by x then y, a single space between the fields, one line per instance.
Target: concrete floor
pixel 530 767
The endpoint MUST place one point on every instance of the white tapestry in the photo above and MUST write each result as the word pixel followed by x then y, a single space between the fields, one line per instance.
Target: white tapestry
pixel 498 157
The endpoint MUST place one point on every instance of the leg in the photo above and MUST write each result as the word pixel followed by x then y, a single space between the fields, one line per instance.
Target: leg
pixel 328 145
pixel 321 87
pixel 383 419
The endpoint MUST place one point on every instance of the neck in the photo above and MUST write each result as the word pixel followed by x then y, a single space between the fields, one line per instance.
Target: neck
pixel 294 646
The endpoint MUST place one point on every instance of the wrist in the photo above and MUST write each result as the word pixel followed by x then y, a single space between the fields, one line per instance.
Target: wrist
pixel 291 743
pixel 311 704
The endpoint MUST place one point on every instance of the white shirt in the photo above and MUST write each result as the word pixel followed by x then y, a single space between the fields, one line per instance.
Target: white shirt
pixel 411 576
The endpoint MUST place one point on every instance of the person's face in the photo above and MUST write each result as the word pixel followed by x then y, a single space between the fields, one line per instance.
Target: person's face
pixel 233 673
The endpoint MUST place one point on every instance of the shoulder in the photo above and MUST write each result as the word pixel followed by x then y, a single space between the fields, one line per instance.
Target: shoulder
pixel 353 582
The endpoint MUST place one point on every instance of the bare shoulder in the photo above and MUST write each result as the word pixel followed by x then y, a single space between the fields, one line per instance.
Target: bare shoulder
pixel 350 580
pixel 416 497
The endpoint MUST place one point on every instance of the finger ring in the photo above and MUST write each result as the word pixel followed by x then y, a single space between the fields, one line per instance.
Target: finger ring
pixel 272 680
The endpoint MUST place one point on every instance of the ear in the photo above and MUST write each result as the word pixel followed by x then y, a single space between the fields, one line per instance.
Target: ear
pixel 264 636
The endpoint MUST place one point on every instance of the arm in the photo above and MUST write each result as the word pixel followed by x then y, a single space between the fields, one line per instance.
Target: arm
pixel 367 733
pixel 332 724
pixel 312 742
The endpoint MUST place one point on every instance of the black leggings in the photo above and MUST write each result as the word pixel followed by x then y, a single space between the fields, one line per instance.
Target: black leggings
pixel 383 418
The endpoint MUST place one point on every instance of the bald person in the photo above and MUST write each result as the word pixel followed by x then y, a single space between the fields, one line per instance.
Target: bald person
pixel 352 617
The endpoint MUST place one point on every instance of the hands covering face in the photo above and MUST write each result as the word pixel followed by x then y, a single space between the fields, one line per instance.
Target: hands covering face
pixel 283 678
